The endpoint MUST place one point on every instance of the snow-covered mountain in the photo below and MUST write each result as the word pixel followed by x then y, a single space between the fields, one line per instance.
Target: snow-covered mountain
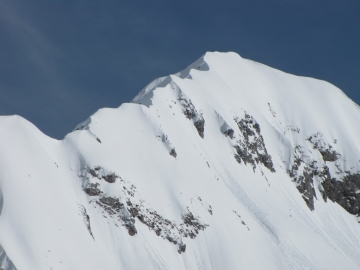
pixel 228 164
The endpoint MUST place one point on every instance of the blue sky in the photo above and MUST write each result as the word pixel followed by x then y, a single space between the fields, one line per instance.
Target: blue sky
pixel 60 61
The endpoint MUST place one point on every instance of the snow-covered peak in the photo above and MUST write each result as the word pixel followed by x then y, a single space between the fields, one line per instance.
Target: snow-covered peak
pixel 214 167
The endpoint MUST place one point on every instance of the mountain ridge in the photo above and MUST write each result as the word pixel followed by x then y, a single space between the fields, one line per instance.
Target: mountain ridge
pixel 214 167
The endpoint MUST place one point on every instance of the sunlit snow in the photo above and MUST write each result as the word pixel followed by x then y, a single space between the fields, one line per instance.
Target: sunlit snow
pixel 197 172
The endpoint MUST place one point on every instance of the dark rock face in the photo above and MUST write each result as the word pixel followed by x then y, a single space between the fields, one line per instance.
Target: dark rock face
pixel 191 113
pixel 188 108
pixel 111 204
pixel 99 173
pixel 134 209
pixel 171 240
pixel 93 190
pixel 113 207
pixel 182 248
pixel 251 148
pixel 93 172
pixel 244 155
pixel 86 219
pixel 324 148
pixel 165 228
pixel 330 156
pixel 229 132
pixel 173 153
pixel 131 229
pixel 304 177
pixel 305 186
pixel 344 192
pixel 190 220
pixel 110 178
pixel 200 127
pixel 238 158
pixel 210 210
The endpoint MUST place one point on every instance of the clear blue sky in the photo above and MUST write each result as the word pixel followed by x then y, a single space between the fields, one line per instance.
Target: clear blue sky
pixel 60 61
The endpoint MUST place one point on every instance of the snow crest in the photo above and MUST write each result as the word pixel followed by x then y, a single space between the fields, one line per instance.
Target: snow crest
pixel 214 167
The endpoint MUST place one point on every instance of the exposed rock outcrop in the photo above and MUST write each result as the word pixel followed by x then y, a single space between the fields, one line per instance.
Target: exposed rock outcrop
pixel 86 219
pixel 302 173
pixel 251 147
pixel 346 192
pixel 173 153
pixel 191 113
pixel 325 149
pixel 134 209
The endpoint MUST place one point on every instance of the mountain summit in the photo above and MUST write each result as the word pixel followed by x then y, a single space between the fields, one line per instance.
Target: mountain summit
pixel 228 164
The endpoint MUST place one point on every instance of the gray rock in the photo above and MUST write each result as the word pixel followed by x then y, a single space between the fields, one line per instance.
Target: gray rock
pixel 110 202
pixel 173 153
pixel 182 248
pixel 252 151
pixel 110 178
pixel 229 132
pixel 344 192
pixel 191 113
pixel 93 190
pixel 329 155
pixel 200 127
pixel 131 229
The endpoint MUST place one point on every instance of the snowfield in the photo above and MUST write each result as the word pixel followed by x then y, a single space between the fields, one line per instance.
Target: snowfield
pixel 228 164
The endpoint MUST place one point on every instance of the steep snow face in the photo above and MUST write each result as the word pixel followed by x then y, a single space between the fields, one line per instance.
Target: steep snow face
pixel 228 164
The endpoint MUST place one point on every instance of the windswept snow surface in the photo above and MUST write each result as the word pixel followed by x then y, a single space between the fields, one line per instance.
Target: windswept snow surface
pixel 216 167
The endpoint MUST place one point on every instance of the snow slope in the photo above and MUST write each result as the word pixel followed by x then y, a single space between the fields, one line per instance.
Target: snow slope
pixel 229 164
